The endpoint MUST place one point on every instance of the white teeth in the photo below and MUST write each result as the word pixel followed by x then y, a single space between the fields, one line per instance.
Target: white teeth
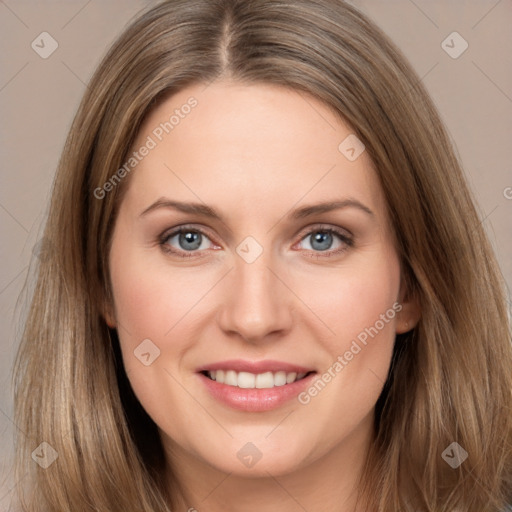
pixel 230 378
pixel 264 380
pixel 290 377
pixel 245 380
pixel 279 378
pixel 248 380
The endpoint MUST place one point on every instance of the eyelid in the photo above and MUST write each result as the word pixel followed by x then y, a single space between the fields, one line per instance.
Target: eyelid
pixel 324 227
pixel 168 233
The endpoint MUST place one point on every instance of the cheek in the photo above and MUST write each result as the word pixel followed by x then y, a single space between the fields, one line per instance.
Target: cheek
pixel 140 302
pixel 151 298
pixel 350 299
pixel 357 305
pixel 152 303
pixel 148 301
pixel 165 305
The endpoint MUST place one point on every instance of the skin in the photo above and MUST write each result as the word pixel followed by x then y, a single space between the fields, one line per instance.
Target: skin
pixel 255 154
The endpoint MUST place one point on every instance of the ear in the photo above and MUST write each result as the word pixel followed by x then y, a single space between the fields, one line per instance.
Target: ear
pixel 410 314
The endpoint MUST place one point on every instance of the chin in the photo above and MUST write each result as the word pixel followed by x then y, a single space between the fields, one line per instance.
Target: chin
pixel 258 458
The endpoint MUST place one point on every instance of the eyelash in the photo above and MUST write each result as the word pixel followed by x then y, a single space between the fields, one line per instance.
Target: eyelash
pixel 345 239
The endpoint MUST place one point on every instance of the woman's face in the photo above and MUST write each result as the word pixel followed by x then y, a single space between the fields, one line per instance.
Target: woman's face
pixel 285 269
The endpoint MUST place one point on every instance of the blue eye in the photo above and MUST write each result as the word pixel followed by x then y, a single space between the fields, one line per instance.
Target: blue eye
pixel 188 240
pixel 321 240
pixel 326 240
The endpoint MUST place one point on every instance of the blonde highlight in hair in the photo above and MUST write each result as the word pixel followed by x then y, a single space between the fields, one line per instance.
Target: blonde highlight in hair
pixel 450 379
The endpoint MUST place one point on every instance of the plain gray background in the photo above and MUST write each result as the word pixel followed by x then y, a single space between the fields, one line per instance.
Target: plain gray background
pixel 38 99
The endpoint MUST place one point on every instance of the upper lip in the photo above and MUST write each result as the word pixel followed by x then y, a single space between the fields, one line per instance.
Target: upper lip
pixel 241 365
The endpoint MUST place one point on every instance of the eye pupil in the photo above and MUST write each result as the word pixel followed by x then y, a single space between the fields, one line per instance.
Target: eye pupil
pixel 190 240
pixel 321 240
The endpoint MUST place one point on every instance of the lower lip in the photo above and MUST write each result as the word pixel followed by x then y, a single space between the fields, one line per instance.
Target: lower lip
pixel 255 400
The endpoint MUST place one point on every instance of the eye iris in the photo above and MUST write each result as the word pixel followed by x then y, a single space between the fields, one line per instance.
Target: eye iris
pixel 190 240
pixel 321 241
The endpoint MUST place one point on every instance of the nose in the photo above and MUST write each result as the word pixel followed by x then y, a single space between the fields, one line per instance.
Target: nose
pixel 257 305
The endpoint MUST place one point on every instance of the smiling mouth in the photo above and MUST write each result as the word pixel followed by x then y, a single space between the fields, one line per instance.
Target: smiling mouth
pixel 247 380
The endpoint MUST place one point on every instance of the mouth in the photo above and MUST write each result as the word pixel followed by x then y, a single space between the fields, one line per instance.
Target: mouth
pixel 254 386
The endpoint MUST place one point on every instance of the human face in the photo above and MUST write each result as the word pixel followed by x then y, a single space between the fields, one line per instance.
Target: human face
pixel 265 287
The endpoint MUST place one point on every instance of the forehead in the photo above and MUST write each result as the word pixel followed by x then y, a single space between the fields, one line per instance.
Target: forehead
pixel 237 144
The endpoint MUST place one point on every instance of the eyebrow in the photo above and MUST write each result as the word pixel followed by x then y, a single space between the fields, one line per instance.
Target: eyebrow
pixel 299 213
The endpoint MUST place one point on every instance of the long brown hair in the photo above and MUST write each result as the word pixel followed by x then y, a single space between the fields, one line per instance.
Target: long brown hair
pixel 450 379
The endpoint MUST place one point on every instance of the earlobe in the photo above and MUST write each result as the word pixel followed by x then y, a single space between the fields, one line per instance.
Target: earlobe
pixel 408 317
pixel 108 315
pixel 110 321
pixel 410 314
